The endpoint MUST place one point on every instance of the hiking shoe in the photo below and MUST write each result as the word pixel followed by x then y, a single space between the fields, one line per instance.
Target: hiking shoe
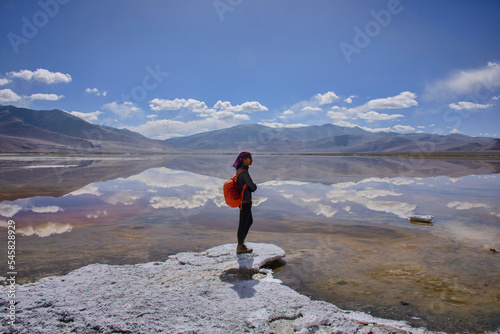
pixel 241 249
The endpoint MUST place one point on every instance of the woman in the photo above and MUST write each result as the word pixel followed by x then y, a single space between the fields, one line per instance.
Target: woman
pixel 244 161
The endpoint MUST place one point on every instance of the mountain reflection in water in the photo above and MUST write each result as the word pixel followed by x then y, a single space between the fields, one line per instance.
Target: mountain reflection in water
pixel 343 222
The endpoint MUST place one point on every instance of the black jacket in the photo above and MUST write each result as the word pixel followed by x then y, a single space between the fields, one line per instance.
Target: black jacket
pixel 243 178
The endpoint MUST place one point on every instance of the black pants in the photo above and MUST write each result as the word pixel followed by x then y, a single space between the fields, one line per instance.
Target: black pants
pixel 246 220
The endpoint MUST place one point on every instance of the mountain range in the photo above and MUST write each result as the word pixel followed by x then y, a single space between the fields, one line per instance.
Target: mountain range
pixel 327 138
pixel 27 130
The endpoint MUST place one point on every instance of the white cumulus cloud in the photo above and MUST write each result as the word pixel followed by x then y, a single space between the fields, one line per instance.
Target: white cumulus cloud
pixel 245 107
pixel 337 115
pixel 177 104
pixel 96 91
pixel 282 125
pixel 311 109
pixel 372 116
pixel 46 97
pixel 484 81
pixel 366 111
pixel 326 98
pixel 126 109
pixel 404 128
pixel 402 100
pixel 89 117
pixel 42 75
pixel 345 124
pixel 468 105
pixel 7 95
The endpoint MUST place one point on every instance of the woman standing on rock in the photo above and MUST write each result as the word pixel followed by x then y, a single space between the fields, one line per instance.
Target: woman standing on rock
pixel 243 161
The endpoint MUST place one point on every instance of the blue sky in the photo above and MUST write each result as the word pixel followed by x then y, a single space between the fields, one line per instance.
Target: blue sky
pixel 175 68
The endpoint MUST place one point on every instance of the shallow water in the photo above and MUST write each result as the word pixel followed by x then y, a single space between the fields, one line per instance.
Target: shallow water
pixel 343 222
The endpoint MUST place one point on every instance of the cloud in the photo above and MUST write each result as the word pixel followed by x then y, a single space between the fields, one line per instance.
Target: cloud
pixel 319 199
pixel 89 117
pixel 125 197
pixel 9 210
pixel 7 95
pixel 244 107
pixel 282 125
pixel 341 194
pixel 167 128
pixel 87 190
pixel 376 129
pixel 125 110
pixel 177 104
pixel 46 209
pixel 372 116
pixel 345 124
pixel 466 205
pixel 42 75
pixel 225 115
pixel 192 202
pixel 221 107
pixel 403 100
pixel 337 115
pixel 365 112
pixel 96 91
pixel 97 214
pixel 325 210
pixel 404 128
pixel 45 230
pixel 311 109
pixel 468 105
pixel 328 97
pixel 197 189
pixel 4 81
pixel 222 115
pixel 374 193
pixel 315 104
pixel 349 99
pixel 473 82
pixel 46 97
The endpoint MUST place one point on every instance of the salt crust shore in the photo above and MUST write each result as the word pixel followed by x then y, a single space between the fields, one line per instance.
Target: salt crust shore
pixel 215 291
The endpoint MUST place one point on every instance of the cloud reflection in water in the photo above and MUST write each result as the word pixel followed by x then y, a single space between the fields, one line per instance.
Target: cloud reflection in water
pixel 374 200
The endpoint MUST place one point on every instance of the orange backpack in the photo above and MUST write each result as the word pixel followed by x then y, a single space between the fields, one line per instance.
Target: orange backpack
pixel 231 195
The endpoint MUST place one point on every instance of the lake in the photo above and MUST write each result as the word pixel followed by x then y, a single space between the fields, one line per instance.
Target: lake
pixel 343 222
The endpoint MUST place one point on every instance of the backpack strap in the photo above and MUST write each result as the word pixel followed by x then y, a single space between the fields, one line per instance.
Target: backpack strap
pixel 242 191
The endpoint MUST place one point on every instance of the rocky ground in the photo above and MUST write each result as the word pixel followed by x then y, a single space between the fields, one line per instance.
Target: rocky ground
pixel 211 292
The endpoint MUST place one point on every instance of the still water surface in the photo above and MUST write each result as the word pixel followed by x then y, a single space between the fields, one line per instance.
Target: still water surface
pixel 343 222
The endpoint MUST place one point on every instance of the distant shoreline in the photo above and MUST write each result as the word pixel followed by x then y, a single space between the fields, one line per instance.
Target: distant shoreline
pixel 468 155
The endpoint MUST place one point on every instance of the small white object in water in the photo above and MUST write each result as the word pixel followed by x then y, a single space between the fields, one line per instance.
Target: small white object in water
pixel 421 218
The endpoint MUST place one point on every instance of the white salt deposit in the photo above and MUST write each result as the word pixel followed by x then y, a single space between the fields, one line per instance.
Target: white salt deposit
pixel 211 292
